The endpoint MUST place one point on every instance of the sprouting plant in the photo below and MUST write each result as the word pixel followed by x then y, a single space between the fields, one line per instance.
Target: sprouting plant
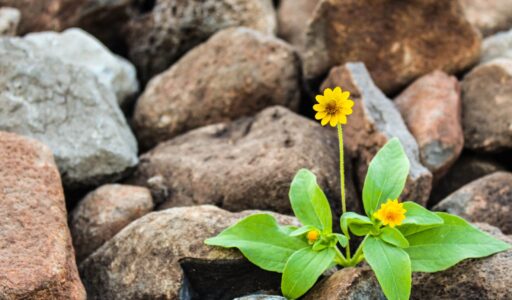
pixel 398 238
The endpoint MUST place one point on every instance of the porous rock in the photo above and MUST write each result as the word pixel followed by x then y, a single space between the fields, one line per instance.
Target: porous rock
pixel 9 20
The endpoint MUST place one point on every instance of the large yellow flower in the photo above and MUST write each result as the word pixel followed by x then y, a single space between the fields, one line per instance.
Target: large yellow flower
pixel 333 107
pixel 391 213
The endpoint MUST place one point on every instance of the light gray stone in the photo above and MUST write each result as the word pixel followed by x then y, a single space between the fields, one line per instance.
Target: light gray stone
pixel 497 46
pixel 9 20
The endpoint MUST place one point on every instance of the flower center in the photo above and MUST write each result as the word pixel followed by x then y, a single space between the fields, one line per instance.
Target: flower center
pixel 312 235
pixel 331 108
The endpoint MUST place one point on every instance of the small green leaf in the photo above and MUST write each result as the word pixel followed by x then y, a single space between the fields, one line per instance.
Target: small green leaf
pixel 343 240
pixel 261 240
pixel 303 269
pixel 418 218
pixel 443 246
pixel 302 230
pixel 309 202
pixel 386 176
pixel 289 228
pixel 394 237
pixel 391 266
pixel 319 245
pixel 358 224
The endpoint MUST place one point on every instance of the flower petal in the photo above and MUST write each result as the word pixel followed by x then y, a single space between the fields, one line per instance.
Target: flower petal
pixel 319 107
pixel 345 95
pixel 326 120
pixel 320 98
pixel 343 119
pixel 337 93
pixel 334 121
pixel 328 93
pixel 320 115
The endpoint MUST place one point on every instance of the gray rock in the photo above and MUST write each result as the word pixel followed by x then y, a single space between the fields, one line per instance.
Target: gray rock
pixel 9 20
pixel 65 107
pixel 498 45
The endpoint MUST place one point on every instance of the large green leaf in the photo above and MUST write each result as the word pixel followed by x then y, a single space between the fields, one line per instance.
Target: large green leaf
pixel 443 246
pixel 358 224
pixel 418 218
pixel 386 176
pixel 391 266
pixel 303 269
pixel 261 240
pixel 394 237
pixel 309 202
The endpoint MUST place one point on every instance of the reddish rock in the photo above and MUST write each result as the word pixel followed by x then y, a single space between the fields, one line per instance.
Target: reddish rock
pixel 395 39
pixel 104 212
pixel 9 20
pixel 487 106
pixel 36 256
pixel 292 19
pixel 431 108
pixel 236 73
pixel 489 16
pixel 375 121
pixel 488 199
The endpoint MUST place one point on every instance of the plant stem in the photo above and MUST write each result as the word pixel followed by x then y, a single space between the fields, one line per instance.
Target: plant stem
pixel 340 258
pixel 342 170
pixel 357 256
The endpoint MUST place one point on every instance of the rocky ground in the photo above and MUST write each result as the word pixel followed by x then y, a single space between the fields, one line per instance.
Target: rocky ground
pixel 132 130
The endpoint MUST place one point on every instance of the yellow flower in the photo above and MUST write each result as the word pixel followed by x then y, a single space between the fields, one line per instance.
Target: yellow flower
pixel 333 107
pixel 312 236
pixel 391 213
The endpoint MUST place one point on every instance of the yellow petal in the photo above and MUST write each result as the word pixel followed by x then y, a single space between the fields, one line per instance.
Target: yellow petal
pixel 334 121
pixel 343 119
pixel 326 120
pixel 319 107
pixel 345 95
pixel 328 93
pixel 320 115
pixel 320 98
pixel 348 103
pixel 346 111
pixel 337 93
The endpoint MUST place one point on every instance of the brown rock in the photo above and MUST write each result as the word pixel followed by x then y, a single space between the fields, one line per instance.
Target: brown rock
pixel 292 19
pixel 165 31
pixel 431 108
pixel 163 256
pixel 36 256
pixel 104 212
pixel 236 73
pixel 375 121
pixel 395 39
pixel 489 16
pixel 246 164
pixel 488 199
pixel 487 106
pixel 9 20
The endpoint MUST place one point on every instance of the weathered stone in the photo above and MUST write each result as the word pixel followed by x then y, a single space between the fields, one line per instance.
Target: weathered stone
pixel 65 107
pixel 77 47
pixel 487 106
pixel 293 17
pixel 261 297
pixel 36 256
pixel 489 16
pixel 375 120
pixel 104 212
pixel 395 39
pixel 9 20
pixel 488 199
pixel 236 73
pixel 498 45
pixel 246 164
pixel 431 108
pixel 163 256
pixel 169 28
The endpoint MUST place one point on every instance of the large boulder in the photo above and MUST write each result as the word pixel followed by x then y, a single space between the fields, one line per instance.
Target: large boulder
pixel 292 19
pixel 489 16
pixel 65 107
pixel 236 73
pixel 395 39
pixel 375 121
pixel 163 256
pixel 166 29
pixel 9 20
pixel 36 256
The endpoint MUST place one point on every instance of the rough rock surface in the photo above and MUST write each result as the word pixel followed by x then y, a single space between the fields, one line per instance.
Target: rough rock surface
pixel 293 17
pixel 169 28
pixel 431 108
pixel 395 39
pixel 9 20
pixel 77 47
pixel 163 256
pixel 488 199
pixel 375 121
pixel 487 106
pixel 36 256
pixel 237 72
pixel 104 212
pixel 261 297
pixel 246 164
pixel 498 45
pixel 65 107
pixel 489 16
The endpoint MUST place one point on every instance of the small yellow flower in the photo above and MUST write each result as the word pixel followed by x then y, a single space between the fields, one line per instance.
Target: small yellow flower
pixel 333 107
pixel 312 236
pixel 391 213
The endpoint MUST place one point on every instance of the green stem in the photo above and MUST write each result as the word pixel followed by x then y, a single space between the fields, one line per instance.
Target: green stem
pixel 340 259
pixel 342 170
pixel 358 256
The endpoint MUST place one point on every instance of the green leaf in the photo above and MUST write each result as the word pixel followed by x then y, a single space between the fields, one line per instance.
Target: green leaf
pixel 303 269
pixel 343 240
pixel 441 247
pixel 386 176
pixel 394 237
pixel 418 218
pixel 309 202
pixel 391 266
pixel 358 224
pixel 261 240
pixel 302 230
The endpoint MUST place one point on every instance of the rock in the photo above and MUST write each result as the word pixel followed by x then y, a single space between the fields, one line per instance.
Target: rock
pixel 488 199
pixel 77 47
pixel 261 297
pixel 347 284
pixel 396 40
pixel 36 256
pixel 246 164
pixel 104 212
pixel 487 106
pixel 167 29
pixel 65 107
pixel 489 16
pixel 163 256
pixel 498 45
pixel 293 17
pixel 9 20
pixel 431 108
pixel 375 120
pixel 236 73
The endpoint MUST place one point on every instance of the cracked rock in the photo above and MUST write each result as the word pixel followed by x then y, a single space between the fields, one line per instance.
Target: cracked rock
pixel 9 20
